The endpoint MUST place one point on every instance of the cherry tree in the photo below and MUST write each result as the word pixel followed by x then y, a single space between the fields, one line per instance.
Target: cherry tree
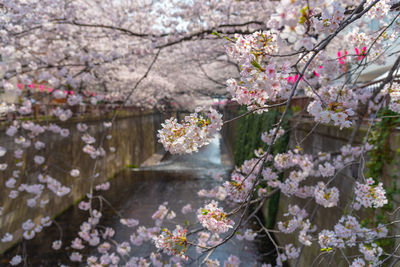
pixel 280 49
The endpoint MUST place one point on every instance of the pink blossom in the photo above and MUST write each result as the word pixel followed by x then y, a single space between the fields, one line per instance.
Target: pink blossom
pixel 232 261
pixel 17 259
pixel 74 173
pixel 327 197
pixel 124 248
pixel 187 209
pixel 214 218
pixel 194 132
pixel 370 195
pixel 77 244
pixel 172 243
pixel 75 256
pixel 56 245
pixel 129 222
pixel 7 238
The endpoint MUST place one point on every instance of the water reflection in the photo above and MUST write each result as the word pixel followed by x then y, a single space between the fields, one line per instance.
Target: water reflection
pixel 137 194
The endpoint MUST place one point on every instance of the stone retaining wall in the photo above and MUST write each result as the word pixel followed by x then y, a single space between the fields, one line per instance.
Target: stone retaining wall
pixel 133 136
pixel 229 130
pixel 329 139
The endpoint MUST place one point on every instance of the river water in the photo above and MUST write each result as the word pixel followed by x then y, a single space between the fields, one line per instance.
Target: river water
pixel 137 194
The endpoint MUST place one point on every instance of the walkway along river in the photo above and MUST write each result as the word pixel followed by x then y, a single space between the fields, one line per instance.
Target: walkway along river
pixel 137 193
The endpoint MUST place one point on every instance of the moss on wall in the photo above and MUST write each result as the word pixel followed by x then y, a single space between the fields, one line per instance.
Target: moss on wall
pixel 248 139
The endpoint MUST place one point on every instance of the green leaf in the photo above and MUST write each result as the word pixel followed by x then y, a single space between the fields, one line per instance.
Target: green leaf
pixel 302 19
pixel 256 64
pixel 229 39
pixel 204 211
pixel 304 10
pixel 216 34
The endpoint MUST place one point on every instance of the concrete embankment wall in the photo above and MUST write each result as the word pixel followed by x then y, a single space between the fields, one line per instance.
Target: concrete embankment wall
pixel 327 138
pixel 133 136
pixel 228 131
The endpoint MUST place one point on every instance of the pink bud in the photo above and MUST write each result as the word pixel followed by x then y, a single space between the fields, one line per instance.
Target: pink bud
pixel 340 58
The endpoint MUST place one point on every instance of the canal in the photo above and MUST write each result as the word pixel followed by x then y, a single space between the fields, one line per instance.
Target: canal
pixel 137 193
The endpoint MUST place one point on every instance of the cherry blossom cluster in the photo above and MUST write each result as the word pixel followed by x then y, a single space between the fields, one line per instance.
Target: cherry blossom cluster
pixel 248 234
pixel 335 113
pixel 262 79
pixel 111 253
pixel 327 197
pixel 348 232
pixel 290 252
pixel 6 108
pixel 298 221
pixel 162 213
pixel 267 136
pixel 219 193
pixel 242 180
pixel 214 219
pixel 291 159
pixel 369 195
pixel 394 92
pixel 172 243
pixel 195 131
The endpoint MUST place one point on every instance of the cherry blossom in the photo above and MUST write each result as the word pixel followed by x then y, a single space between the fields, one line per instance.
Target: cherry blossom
pixel 358 263
pixel 214 218
pixel 187 209
pixel 17 259
pixel 172 243
pixel 327 197
pixel 307 50
pixel 267 136
pixel 194 132
pixel 7 238
pixel 371 252
pixel 232 261
pixel 56 245
pixel 74 173
pixel 129 222
pixel 75 256
pixel 370 195
pixel 124 248
pixel 2 151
